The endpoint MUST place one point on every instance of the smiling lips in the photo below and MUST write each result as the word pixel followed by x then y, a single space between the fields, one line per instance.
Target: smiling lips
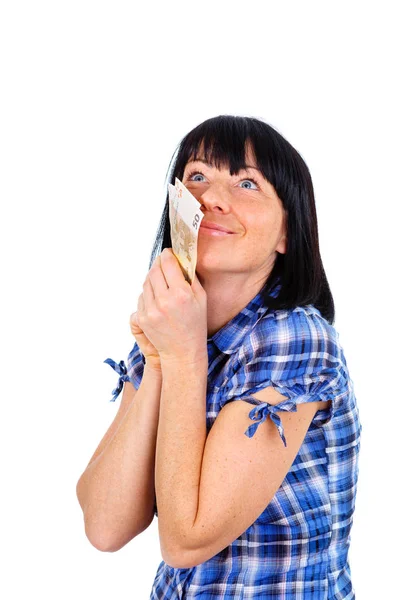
pixel 215 229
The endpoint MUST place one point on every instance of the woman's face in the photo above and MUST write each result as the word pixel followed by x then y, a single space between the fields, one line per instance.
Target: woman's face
pixel 247 205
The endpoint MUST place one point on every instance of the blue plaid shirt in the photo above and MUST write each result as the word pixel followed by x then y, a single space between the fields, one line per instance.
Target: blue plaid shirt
pixel 298 547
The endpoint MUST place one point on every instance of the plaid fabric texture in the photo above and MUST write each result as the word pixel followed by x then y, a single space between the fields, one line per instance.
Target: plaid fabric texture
pixel 298 547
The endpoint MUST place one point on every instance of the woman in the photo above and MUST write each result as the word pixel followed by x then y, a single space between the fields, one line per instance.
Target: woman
pixel 241 384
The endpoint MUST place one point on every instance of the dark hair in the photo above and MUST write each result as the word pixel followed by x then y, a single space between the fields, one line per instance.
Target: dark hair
pixel 300 270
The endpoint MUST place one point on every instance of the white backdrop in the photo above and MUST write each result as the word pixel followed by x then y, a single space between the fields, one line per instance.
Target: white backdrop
pixel 95 98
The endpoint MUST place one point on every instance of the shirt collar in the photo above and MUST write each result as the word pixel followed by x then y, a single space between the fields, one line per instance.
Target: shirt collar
pixel 230 337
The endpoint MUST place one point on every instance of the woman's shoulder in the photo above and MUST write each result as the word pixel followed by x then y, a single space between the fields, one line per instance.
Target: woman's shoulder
pixel 299 351
pixel 290 343
pixel 301 324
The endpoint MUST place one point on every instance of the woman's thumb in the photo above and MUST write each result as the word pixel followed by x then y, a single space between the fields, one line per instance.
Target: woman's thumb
pixel 196 285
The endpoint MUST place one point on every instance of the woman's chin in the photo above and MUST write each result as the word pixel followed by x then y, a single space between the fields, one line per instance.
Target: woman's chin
pixel 207 264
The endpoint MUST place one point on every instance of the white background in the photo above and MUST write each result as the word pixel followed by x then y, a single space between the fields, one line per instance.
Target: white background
pixel 95 97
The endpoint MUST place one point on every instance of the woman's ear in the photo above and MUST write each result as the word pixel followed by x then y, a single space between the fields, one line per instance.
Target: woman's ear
pixel 281 247
pixel 282 244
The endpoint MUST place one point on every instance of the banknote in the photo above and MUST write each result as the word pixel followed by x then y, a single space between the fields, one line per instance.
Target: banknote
pixel 185 217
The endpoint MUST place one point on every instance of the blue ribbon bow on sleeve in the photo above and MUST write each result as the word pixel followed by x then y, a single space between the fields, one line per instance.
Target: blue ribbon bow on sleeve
pixel 261 412
pixel 121 369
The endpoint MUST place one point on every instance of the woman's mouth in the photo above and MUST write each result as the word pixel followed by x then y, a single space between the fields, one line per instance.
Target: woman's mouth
pixel 214 232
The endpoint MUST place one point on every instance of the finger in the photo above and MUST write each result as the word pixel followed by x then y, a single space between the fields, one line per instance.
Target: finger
pixel 140 304
pixel 197 288
pixel 140 309
pixel 133 322
pixel 172 270
pixel 195 283
pixel 148 295
pixel 157 278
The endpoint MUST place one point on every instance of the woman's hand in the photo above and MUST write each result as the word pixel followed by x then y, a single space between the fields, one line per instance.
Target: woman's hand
pixel 172 313
pixel 146 347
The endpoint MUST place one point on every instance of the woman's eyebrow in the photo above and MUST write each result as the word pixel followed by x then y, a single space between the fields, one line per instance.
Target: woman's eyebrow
pixel 246 167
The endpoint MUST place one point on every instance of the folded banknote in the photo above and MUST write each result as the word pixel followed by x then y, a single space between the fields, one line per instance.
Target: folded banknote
pixel 185 217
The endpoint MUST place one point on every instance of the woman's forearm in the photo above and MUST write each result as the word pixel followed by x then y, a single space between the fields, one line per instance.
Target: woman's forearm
pixel 181 440
pixel 117 489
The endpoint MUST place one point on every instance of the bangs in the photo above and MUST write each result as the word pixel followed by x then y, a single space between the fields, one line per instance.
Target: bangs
pixel 222 142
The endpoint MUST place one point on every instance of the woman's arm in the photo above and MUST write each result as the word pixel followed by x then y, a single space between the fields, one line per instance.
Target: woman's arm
pixel 116 491
pixel 128 394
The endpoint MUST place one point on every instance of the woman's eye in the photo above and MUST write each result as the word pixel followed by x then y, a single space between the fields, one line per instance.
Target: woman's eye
pixel 195 173
pixel 252 181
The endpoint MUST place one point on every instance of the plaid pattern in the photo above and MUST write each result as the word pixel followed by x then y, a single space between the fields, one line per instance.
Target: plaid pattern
pixel 298 547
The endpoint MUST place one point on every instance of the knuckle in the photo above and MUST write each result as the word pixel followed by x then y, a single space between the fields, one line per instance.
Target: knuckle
pixel 162 303
pixel 182 295
pixel 152 318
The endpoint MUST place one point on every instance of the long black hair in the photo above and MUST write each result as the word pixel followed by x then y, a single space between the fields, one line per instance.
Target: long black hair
pixel 223 141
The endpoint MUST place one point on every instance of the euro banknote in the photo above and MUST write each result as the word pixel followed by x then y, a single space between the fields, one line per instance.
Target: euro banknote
pixel 185 217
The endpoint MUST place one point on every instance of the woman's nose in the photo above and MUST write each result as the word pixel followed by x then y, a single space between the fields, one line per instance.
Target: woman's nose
pixel 215 196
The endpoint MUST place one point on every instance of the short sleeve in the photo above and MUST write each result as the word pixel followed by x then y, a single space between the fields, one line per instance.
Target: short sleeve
pixel 132 371
pixel 299 354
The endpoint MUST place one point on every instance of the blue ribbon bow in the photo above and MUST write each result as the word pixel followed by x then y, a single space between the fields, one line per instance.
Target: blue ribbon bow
pixel 122 371
pixel 261 412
